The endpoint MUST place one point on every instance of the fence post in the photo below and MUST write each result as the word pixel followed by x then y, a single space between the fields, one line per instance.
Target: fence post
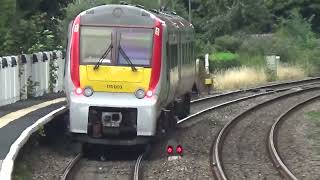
pixel 15 81
pixel 60 71
pixel 46 72
pixel 27 74
pixel 35 74
pixel 4 66
pixel 1 84
pixel 24 74
pixel 54 64
pixel 6 75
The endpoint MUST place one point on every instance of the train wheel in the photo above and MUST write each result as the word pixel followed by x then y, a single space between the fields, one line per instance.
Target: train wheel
pixel 86 148
pixel 183 108
pixel 167 124
pixel 187 105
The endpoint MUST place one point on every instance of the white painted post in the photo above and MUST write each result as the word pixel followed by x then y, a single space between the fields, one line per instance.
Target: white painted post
pixel 4 80
pixel 61 62
pixel 41 74
pixel 46 69
pixel 1 83
pixel 15 79
pixel 36 73
pixel 29 70
pixel 8 79
pixel 206 63
pixel 24 59
pixel 55 64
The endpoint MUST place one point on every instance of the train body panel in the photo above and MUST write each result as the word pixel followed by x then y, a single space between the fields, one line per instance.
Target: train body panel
pixel 115 78
pixel 125 66
pixel 146 109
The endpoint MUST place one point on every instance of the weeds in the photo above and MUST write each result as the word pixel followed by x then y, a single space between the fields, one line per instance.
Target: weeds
pixel 290 73
pixel 315 133
pixel 239 78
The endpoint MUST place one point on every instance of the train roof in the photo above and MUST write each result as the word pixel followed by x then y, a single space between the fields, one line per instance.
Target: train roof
pixel 132 16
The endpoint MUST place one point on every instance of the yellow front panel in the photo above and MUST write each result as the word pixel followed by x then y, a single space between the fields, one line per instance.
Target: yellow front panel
pixel 114 78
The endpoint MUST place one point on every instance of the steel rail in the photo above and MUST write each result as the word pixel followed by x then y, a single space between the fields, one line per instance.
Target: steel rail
pixel 137 167
pixel 239 100
pixel 272 140
pixel 215 159
pixel 71 167
pixel 136 174
pixel 258 88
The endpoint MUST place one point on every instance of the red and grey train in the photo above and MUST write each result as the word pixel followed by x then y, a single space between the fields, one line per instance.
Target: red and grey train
pixel 129 73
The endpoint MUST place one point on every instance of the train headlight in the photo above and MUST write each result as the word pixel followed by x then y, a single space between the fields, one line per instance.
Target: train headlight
pixel 140 93
pixel 149 93
pixel 78 91
pixel 87 91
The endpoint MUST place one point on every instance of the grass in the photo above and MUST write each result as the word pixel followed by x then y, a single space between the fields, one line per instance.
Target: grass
pixel 290 73
pixel 252 61
pixel 223 56
pixel 243 77
pixel 237 78
pixel 21 171
pixel 23 163
pixel 314 116
pixel 314 135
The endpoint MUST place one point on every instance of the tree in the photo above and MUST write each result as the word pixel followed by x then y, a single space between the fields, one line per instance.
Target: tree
pixel 309 9
pixel 7 9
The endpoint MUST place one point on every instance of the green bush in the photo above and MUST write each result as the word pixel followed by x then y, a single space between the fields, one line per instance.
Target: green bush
pixel 252 60
pixel 223 60
pixel 258 45
pixel 313 63
pixel 227 43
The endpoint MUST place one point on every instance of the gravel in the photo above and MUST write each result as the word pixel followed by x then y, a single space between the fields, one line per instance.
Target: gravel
pixel 108 163
pixel 99 170
pixel 244 153
pixel 296 146
pixel 196 140
pixel 45 157
pixel 48 160
pixel 196 107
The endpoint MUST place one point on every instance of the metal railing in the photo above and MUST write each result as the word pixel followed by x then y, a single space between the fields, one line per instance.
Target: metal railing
pixel 29 74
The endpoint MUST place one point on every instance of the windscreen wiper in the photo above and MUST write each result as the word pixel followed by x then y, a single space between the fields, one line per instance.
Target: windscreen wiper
pixel 127 58
pixel 105 54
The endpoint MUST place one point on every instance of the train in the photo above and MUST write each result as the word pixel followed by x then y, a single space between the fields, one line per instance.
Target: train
pixel 129 74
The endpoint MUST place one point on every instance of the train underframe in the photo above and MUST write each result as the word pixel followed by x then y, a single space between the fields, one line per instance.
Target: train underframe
pixel 119 125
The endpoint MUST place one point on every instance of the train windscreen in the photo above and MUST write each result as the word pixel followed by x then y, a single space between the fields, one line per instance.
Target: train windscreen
pixel 93 44
pixel 137 45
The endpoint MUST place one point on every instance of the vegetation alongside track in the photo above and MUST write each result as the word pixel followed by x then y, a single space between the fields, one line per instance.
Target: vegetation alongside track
pixel 245 30
pixel 314 135
pixel 243 77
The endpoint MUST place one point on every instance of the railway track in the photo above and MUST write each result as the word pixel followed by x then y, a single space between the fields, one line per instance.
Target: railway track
pixel 200 106
pixel 270 87
pixel 272 139
pixel 239 151
pixel 131 169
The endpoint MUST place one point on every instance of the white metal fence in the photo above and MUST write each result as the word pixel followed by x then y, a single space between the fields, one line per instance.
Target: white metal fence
pixel 29 74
